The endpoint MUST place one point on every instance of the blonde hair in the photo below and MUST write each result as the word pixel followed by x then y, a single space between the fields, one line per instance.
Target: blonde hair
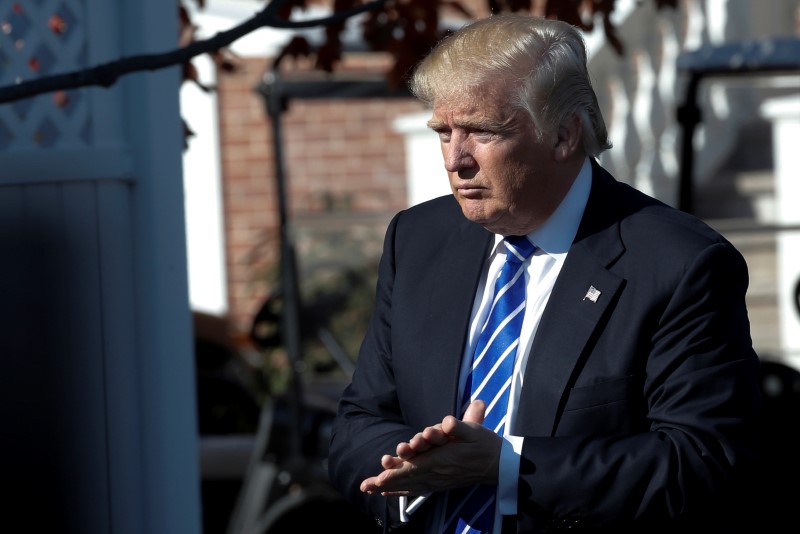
pixel 541 61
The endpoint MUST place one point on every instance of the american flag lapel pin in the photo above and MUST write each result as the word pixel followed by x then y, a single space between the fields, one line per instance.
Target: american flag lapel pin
pixel 592 294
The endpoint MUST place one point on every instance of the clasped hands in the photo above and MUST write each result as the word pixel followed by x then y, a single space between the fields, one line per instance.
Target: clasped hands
pixel 451 454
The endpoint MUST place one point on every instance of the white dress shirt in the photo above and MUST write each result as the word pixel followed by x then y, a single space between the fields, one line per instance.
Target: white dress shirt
pixel 552 241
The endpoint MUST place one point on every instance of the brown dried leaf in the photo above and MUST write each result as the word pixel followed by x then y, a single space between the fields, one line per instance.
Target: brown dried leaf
pixel 611 36
pixel 183 15
pixel 187 133
pixel 328 55
pixel 566 10
pixel 225 60
pixel 298 46
pixel 661 4
pixel 285 10
pixel 457 6
pixel 190 74
pixel 518 5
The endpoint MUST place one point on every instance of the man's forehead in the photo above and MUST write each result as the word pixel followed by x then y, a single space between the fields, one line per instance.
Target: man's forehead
pixel 471 111
pixel 489 101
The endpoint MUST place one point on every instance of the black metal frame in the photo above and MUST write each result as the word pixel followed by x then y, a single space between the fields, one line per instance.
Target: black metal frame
pixel 775 56
pixel 281 456
pixel 277 92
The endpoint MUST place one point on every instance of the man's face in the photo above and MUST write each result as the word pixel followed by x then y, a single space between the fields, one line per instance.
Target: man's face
pixel 502 175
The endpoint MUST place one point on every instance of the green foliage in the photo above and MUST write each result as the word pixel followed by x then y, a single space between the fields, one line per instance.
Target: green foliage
pixel 337 270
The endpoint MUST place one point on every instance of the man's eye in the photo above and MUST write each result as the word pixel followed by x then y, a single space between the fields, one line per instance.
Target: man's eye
pixel 444 136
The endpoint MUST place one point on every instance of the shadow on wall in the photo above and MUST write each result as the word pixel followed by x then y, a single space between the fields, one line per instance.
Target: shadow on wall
pixel 41 463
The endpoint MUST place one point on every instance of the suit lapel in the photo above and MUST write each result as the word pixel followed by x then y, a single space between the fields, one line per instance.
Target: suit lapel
pixel 458 272
pixel 581 296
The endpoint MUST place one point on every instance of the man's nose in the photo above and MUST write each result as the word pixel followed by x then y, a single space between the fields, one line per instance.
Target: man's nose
pixel 457 155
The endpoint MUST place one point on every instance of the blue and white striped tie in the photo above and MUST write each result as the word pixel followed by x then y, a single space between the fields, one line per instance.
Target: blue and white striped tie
pixel 471 510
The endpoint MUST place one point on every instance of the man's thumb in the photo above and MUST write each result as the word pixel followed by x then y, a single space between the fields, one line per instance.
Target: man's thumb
pixel 475 412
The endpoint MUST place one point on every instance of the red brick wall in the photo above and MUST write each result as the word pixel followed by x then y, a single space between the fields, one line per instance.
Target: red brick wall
pixel 343 161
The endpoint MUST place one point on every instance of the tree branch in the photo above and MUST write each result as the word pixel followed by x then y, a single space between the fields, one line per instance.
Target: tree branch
pixel 107 74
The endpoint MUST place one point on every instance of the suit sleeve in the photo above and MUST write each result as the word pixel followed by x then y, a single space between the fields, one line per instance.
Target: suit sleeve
pixel 369 422
pixel 700 402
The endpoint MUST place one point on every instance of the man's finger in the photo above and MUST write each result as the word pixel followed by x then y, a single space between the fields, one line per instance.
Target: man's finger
pixel 434 435
pixel 390 462
pixel 405 451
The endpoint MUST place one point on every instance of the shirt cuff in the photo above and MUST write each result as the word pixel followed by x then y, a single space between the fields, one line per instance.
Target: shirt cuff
pixel 508 475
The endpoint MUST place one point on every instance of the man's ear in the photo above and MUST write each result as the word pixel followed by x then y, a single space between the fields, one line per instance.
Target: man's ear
pixel 568 140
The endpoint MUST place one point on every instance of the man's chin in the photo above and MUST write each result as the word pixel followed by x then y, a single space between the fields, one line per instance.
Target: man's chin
pixel 470 215
pixel 480 218
pixel 474 209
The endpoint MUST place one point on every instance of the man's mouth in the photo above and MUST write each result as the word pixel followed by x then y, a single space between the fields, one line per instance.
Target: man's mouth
pixel 469 191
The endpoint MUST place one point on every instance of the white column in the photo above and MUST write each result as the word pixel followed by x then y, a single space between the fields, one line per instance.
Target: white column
pixel 202 182
pixel 784 112
pixel 425 172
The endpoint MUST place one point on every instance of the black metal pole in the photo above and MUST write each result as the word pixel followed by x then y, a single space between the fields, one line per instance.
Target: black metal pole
pixel 290 312
pixel 688 116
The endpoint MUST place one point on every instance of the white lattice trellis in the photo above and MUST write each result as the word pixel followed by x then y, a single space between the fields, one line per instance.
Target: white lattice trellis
pixel 41 38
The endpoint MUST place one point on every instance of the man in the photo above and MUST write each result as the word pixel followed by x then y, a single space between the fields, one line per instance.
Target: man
pixel 632 396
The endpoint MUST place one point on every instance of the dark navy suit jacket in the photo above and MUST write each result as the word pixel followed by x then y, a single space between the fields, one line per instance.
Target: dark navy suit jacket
pixel 638 409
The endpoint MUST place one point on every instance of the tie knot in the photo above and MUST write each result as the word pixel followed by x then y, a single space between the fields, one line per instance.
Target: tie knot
pixel 519 248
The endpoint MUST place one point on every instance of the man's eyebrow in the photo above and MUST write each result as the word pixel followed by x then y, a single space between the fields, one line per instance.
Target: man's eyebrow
pixel 474 124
